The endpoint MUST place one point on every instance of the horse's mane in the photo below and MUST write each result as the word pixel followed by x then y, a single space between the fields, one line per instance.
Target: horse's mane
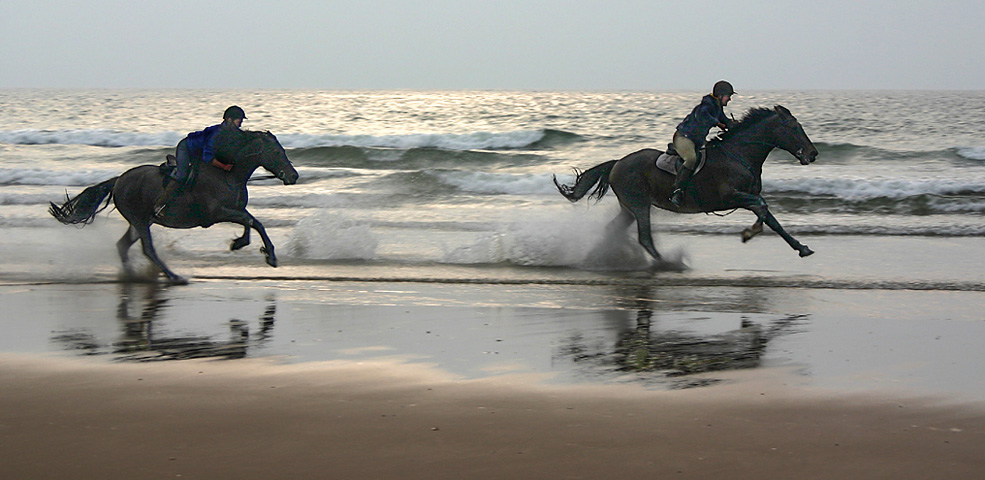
pixel 231 142
pixel 751 118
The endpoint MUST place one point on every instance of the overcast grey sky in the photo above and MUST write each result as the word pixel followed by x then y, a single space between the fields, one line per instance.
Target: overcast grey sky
pixel 504 44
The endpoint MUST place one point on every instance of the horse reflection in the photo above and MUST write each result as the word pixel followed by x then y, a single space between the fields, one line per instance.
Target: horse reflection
pixel 642 348
pixel 678 353
pixel 142 342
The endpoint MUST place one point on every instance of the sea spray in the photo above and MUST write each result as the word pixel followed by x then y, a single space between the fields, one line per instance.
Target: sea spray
pixel 331 236
pixel 572 237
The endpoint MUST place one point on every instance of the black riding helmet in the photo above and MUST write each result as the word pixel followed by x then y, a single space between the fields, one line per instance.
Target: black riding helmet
pixel 234 113
pixel 722 88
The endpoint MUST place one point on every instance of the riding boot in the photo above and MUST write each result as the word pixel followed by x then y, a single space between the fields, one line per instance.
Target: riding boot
pixel 170 190
pixel 682 181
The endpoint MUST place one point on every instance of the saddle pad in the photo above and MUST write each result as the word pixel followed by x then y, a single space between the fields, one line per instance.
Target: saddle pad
pixel 668 163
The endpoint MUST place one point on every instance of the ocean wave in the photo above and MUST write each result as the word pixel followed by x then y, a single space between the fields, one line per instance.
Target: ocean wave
pixel 96 138
pixel 848 152
pixel 39 176
pixel 971 153
pixel 861 189
pixel 414 158
pixel 498 183
pixel 518 139
pixel 28 198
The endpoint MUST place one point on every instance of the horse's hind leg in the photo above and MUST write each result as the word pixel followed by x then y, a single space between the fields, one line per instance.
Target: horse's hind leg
pixel 644 234
pixel 752 231
pixel 623 220
pixel 148 246
pixel 241 241
pixel 123 247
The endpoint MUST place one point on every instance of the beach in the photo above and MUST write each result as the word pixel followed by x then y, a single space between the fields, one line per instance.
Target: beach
pixel 369 378
pixel 385 420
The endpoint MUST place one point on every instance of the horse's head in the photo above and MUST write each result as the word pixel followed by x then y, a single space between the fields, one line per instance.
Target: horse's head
pixel 274 159
pixel 790 136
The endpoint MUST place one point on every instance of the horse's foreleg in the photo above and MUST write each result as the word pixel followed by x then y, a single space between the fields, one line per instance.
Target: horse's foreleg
pixel 148 246
pixel 248 221
pixel 752 231
pixel 757 205
pixel 241 241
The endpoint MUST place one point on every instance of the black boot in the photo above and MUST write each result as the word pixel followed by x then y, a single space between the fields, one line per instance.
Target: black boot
pixel 170 190
pixel 682 181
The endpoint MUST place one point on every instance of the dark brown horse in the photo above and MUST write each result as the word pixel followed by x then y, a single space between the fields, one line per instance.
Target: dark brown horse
pixel 215 196
pixel 731 177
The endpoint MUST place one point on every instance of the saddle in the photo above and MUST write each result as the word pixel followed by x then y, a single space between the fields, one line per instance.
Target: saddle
pixel 170 165
pixel 671 162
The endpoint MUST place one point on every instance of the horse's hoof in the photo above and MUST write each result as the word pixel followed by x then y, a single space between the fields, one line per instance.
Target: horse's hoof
pixel 177 280
pixel 746 235
pixel 238 244
pixel 271 259
pixel 806 251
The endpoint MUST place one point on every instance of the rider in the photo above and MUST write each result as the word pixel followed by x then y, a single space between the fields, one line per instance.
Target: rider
pixel 690 134
pixel 200 145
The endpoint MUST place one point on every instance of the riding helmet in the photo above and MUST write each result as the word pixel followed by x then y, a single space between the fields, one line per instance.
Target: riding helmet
pixel 722 88
pixel 234 113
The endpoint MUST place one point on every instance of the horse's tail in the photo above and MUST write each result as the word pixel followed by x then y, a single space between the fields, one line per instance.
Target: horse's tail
pixel 84 206
pixel 584 181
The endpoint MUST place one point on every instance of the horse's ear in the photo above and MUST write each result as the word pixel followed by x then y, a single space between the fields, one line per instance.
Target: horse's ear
pixel 782 110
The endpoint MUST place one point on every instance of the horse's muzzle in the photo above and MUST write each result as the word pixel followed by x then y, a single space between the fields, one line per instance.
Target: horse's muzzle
pixel 289 178
pixel 806 157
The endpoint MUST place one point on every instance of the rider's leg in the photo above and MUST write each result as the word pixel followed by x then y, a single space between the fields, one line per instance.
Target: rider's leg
pixel 178 177
pixel 685 148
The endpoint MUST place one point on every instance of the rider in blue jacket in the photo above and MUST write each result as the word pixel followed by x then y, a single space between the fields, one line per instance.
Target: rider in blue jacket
pixel 200 145
pixel 690 134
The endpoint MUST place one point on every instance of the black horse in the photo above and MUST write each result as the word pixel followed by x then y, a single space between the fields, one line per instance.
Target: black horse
pixel 215 196
pixel 730 178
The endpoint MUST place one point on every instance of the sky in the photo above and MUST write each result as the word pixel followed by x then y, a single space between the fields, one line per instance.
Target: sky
pixel 649 45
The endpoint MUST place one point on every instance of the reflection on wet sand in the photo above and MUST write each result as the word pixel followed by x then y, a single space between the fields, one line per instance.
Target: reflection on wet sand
pixel 666 354
pixel 140 311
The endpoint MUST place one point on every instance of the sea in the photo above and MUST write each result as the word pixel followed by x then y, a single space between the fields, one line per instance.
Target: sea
pixel 458 186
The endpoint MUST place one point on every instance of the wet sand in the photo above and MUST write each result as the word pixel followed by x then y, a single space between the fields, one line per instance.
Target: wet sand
pixel 438 380
pixel 378 419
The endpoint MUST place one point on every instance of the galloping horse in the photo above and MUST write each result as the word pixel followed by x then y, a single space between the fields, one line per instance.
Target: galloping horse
pixel 730 178
pixel 214 197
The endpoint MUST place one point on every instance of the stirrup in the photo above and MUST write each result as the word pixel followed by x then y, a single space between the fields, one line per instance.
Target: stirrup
pixel 159 210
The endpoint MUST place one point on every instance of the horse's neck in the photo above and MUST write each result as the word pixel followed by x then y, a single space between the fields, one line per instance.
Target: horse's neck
pixel 752 146
pixel 247 161
pixel 241 172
